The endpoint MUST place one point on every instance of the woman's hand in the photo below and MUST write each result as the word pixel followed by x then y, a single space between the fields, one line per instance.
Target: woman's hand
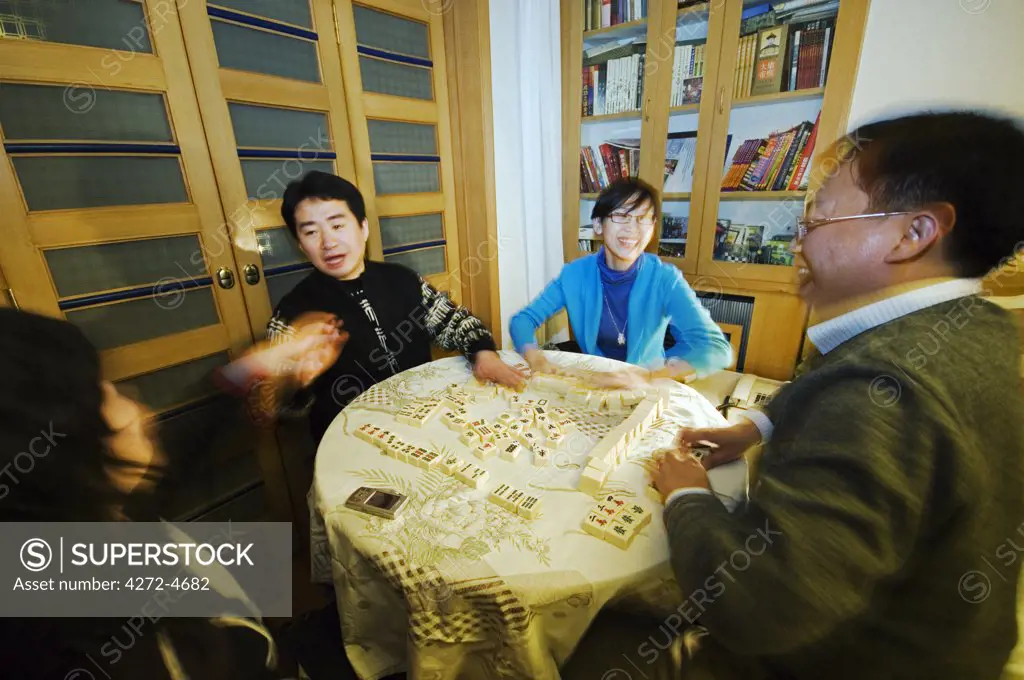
pixel 732 441
pixel 314 347
pixel 632 378
pixel 538 362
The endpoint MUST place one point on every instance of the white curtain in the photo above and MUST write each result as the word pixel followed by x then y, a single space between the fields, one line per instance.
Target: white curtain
pixel 527 95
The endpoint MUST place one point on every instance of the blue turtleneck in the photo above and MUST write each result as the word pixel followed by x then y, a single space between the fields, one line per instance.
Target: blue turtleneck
pixel 615 296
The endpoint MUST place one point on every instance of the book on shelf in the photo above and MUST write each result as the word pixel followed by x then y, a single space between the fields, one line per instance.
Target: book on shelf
pixel 613 80
pixel 778 162
pixel 771 51
pixel 599 14
pixel 605 163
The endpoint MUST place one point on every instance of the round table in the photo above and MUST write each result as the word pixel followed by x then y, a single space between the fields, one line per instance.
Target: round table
pixel 458 587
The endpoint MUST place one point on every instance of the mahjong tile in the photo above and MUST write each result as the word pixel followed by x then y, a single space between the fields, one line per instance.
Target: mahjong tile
pixel 478 477
pixel 596 525
pixel 499 496
pixel 451 463
pixel 529 507
pixel 485 451
pixel 591 481
pixel 541 456
pixel 506 418
pixel 530 439
pixel 469 438
pixel 511 451
pixel 515 498
pixel 619 535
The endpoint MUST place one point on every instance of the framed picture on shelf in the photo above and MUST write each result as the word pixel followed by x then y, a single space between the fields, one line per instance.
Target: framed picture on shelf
pixel 692 89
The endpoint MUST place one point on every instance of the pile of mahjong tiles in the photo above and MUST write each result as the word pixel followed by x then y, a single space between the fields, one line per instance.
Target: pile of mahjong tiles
pixel 536 426
pixel 617 519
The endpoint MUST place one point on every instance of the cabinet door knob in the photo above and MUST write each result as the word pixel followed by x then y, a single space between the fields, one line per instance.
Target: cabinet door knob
pixel 252 274
pixel 225 278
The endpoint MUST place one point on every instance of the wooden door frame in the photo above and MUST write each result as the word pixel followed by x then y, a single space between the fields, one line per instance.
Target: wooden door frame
pixel 467 40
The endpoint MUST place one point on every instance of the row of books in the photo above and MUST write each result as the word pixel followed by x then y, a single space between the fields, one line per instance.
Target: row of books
pixel 614 86
pixel 604 13
pixel 790 57
pixel 743 79
pixel 688 74
pixel 777 163
pixel 602 165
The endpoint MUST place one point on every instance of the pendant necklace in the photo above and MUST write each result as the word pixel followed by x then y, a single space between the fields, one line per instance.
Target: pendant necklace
pixel 621 339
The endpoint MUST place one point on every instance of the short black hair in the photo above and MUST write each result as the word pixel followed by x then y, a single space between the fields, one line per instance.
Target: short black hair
pixel 52 384
pixel 627 193
pixel 322 186
pixel 967 159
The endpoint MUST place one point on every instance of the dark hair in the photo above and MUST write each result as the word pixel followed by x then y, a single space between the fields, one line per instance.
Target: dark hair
pixel 969 160
pixel 322 186
pixel 53 453
pixel 627 193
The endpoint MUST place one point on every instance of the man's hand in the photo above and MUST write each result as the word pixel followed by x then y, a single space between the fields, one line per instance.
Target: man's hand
pixel 679 470
pixel 732 441
pixel 487 365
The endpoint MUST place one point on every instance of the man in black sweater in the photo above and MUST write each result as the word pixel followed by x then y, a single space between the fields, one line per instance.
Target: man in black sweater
pixel 352 322
pixel 882 537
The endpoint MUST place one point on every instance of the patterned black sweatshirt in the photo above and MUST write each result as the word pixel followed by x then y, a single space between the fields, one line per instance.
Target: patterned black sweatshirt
pixel 392 317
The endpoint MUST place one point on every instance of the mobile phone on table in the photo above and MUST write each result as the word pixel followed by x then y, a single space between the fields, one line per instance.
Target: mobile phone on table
pixel 380 502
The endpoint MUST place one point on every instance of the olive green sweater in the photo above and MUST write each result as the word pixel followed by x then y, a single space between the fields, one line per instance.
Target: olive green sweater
pixel 885 533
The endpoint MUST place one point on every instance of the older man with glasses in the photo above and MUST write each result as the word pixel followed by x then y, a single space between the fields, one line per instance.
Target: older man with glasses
pixel 880 539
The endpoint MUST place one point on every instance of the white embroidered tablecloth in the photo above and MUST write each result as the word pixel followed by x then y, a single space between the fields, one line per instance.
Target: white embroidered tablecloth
pixel 457 587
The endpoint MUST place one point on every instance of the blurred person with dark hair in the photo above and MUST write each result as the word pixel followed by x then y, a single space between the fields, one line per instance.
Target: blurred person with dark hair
pixel 621 300
pixel 352 322
pixel 876 539
pixel 100 457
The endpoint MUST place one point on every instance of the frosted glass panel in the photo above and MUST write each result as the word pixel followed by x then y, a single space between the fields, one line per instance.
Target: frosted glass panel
pixel 424 262
pixel 176 385
pixel 406 178
pixel 46 112
pixel 266 179
pixel 280 285
pixel 389 32
pixel 388 136
pixel 294 12
pixel 91 269
pixel 114 24
pixel 58 182
pixel 271 127
pixel 273 54
pixel 399 80
pixel 278 247
pixel 124 323
pixel 398 231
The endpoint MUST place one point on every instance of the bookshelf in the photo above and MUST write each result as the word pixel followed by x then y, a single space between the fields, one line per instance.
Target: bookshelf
pixel 735 156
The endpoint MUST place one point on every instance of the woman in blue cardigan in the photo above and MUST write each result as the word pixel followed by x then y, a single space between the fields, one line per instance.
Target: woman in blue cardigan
pixel 620 300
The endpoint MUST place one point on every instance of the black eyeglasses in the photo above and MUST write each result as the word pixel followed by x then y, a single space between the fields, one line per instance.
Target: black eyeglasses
pixel 625 218
pixel 803 225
